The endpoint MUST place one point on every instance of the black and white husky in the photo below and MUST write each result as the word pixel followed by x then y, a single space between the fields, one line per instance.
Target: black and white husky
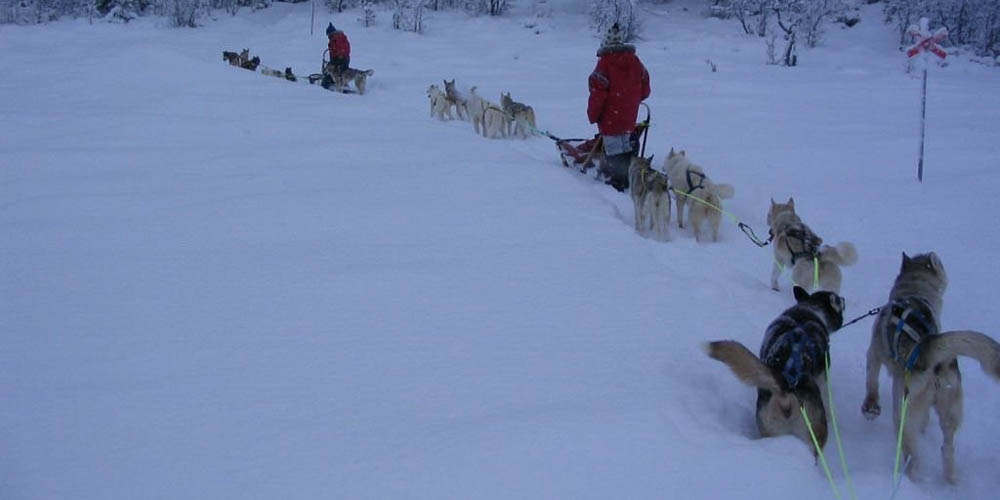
pixel 790 374
pixel 922 360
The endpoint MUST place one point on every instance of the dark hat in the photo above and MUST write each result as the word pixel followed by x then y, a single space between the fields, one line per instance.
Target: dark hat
pixel 613 36
pixel 330 29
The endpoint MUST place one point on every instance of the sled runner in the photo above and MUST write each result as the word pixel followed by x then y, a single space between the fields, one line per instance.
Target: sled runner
pixel 582 154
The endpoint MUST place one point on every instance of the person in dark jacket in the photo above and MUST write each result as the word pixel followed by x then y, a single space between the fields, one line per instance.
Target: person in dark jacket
pixel 340 48
pixel 617 85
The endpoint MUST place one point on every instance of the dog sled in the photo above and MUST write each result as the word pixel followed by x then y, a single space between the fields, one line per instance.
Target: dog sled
pixel 585 154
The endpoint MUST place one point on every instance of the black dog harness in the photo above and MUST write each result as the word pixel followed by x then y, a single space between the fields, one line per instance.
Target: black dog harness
pixel 914 318
pixel 691 185
pixel 808 242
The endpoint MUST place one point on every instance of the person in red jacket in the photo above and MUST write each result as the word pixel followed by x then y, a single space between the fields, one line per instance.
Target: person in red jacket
pixel 617 85
pixel 340 48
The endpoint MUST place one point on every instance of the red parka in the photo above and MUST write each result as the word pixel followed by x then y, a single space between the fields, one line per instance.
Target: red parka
pixel 617 85
pixel 339 46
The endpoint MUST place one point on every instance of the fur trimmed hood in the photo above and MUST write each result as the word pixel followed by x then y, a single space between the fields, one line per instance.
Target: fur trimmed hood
pixel 616 48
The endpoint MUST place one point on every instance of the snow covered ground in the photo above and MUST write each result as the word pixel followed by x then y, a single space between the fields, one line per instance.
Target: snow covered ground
pixel 218 284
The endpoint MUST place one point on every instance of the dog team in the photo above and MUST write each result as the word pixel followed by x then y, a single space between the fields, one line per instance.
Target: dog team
pixel 335 74
pixel 507 119
pixel 791 367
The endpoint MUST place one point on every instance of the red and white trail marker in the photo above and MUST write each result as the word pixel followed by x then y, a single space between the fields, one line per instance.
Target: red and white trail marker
pixel 925 42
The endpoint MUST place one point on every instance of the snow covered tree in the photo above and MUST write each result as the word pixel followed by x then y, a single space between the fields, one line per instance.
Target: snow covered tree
pixel 604 13
pixel 121 10
pixel 491 7
pixel 368 10
pixel 408 15
pixel 185 13
pixel 340 5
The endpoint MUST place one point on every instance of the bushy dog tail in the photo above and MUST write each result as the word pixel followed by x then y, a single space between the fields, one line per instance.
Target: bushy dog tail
pixel 843 254
pixel 724 191
pixel 369 72
pixel 936 349
pixel 744 364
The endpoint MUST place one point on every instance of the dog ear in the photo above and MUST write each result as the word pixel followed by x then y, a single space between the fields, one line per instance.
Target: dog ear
pixel 650 159
pixel 800 293
pixel 934 262
pixel 906 262
pixel 744 364
pixel 791 202
pixel 671 153
pixel 837 303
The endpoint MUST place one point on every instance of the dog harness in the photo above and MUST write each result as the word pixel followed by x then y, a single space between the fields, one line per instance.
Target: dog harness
pixel 798 351
pixel 913 318
pixel 691 185
pixel 808 242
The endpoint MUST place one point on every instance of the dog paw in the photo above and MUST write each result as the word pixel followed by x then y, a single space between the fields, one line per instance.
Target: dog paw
pixel 871 409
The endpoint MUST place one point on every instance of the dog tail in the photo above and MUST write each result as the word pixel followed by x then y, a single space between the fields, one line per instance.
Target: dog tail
pixel 724 191
pixel 843 254
pixel 369 72
pixel 936 349
pixel 747 367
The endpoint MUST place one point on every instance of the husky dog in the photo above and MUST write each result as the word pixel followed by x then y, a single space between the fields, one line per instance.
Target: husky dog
pixel 689 180
pixel 343 77
pixel 439 102
pixel 790 373
pixel 521 118
pixel 494 121
pixel 251 64
pixel 650 198
pixel 232 58
pixel 922 360
pixel 455 99
pixel 476 106
pixel 795 244
pixel 287 74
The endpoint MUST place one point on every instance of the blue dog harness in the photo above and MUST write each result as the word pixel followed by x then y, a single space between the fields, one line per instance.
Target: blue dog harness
pixel 913 318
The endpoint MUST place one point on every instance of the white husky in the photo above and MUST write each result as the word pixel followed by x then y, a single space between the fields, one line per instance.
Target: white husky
pixel 494 121
pixel 688 180
pixel 477 111
pixel 439 103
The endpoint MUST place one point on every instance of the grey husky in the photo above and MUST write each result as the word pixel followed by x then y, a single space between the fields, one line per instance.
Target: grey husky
pixel 922 360
pixel 455 98
pixel 650 198
pixel 520 116
pixel 343 77
pixel 790 374
pixel 797 247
